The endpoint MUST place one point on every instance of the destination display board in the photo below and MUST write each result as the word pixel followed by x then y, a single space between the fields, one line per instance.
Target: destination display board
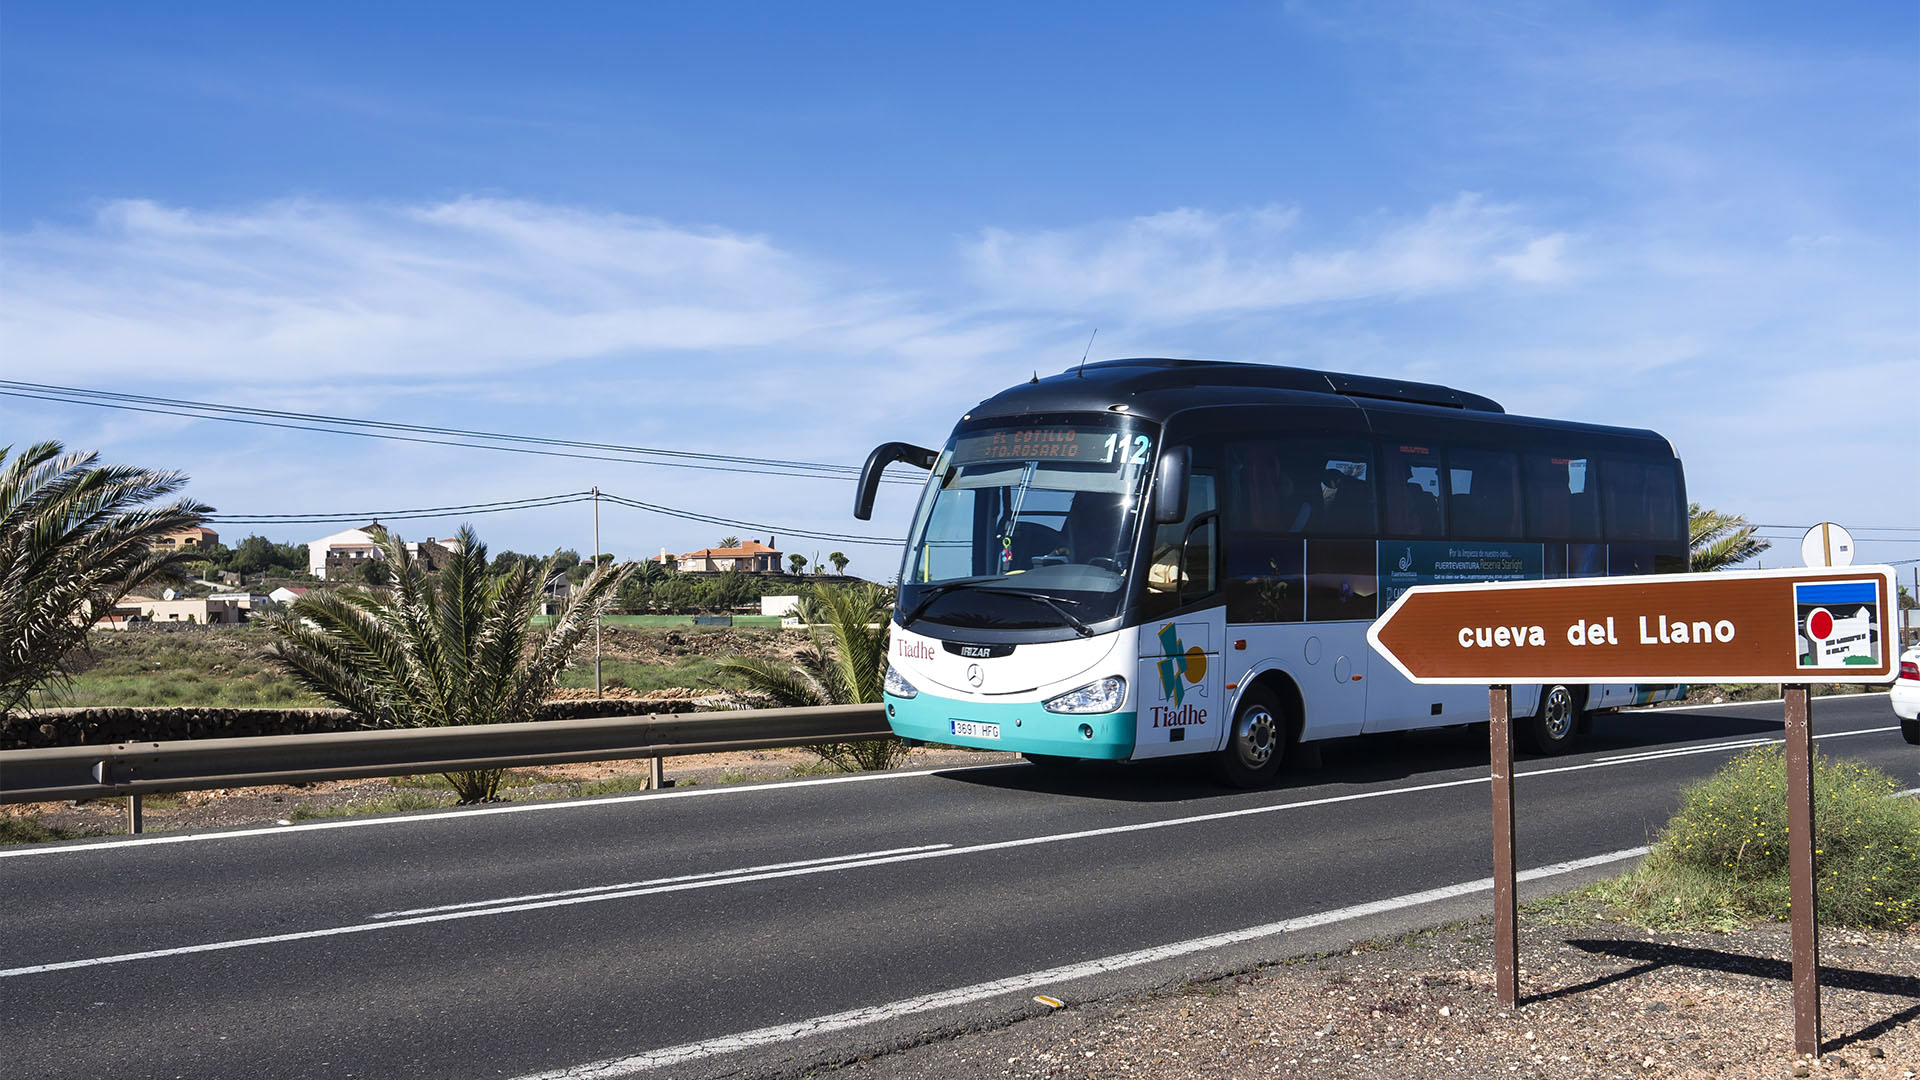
pixel 1085 443
pixel 1829 624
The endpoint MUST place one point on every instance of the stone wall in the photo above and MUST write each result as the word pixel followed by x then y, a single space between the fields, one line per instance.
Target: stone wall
pixel 105 726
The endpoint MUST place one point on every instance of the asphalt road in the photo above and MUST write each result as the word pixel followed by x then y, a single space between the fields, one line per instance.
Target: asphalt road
pixel 764 929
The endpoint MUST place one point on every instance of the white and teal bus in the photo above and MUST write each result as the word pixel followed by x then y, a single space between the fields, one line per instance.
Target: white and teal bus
pixel 1145 558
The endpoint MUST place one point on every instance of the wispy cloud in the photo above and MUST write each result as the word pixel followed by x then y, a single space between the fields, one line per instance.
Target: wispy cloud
pixel 1189 263
pixel 303 290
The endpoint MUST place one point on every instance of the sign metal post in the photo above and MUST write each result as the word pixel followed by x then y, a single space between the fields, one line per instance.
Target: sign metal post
pixel 1802 898
pixel 1506 910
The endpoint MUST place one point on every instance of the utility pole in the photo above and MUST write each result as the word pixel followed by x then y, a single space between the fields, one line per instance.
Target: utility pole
pixel 596 569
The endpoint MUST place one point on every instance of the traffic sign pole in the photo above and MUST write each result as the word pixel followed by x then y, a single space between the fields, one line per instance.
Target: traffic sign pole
pixel 1506 913
pixel 1803 897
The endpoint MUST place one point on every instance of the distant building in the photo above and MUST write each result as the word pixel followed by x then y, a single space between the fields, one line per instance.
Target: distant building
pixel 182 539
pixel 752 557
pixel 286 594
pixel 341 554
pixel 207 609
pixel 341 548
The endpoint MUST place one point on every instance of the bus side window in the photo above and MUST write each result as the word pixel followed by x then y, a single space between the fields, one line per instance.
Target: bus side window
pixel 1178 572
pixel 1198 579
pixel 1561 503
pixel 1411 490
pixel 1483 494
pixel 1640 500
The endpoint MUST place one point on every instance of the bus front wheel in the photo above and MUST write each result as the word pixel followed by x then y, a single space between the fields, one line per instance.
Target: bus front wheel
pixel 1257 744
pixel 1555 724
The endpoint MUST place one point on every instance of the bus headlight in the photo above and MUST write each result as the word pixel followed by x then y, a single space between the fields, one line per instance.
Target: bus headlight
pixel 898 686
pixel 1104 695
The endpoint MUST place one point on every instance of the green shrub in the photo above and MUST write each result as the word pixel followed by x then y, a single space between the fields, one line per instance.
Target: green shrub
pixel 1723 857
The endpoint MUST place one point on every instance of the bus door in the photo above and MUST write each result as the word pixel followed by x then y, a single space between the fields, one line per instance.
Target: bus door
pixel 1182 707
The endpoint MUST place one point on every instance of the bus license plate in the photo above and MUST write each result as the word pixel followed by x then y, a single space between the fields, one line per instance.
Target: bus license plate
pixel 968 729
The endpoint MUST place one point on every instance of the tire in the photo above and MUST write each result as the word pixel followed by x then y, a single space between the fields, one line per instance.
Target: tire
pixel 1257 742
pixel 1910 730
pixel 1555 726
pixel 1051 762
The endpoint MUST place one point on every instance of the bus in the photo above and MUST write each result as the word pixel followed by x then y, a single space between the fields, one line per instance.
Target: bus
pixel 1144 558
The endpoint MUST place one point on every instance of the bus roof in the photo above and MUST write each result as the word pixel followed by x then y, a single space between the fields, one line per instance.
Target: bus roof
pixel 1156 388
pixel 1105 383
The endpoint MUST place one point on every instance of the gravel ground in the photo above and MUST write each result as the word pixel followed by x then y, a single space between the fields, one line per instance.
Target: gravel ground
pixel 1599 999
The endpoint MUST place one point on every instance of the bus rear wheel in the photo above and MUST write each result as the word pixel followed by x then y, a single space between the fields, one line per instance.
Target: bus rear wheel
pixel 1555 725
pixel 1257 743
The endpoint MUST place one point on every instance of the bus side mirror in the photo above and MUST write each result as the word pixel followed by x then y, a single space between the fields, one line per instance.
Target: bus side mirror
pixel 884 455
pixel 1170 485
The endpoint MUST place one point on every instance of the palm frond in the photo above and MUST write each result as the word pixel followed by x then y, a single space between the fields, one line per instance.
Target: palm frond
pixel 75 538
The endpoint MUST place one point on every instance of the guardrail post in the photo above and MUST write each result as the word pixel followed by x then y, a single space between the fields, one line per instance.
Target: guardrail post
pixel 657 774
pixel 1506 914
pixel 134 815
pixel 1806 928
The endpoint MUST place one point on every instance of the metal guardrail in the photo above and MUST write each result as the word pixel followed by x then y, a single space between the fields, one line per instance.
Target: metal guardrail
pixel 149 768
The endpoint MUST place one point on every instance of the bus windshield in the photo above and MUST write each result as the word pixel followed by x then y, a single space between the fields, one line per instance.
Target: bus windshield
pixel 1028 523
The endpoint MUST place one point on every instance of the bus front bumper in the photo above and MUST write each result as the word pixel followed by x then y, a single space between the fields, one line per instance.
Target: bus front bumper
pixel 1020 728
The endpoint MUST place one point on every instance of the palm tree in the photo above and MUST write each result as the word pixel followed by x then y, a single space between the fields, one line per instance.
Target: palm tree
pixel 452 648
pixel 1717 540
pixel 845 666
pixel 75 538
pixel 729 541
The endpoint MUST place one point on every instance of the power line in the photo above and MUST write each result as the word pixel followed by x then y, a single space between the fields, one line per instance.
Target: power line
pixel 772 530
pixel 401 515
pixel 542 502
pixel 1850 528
pixel 379 429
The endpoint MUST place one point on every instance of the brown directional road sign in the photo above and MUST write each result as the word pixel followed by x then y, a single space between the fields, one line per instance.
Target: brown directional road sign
pixel 1831 624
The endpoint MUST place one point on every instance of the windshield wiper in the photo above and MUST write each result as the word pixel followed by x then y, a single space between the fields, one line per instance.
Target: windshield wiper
pixel 1057 603
pixel 935 592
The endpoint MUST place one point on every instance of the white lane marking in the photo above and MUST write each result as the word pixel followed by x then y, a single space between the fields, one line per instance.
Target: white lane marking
pixel 1743 744
pixel 712 874
pixel 480 811
pixel 1037 980
pixel 1739 704
pixel 685 886
pixel 1681 751
pixel 509 908
pixel 941 852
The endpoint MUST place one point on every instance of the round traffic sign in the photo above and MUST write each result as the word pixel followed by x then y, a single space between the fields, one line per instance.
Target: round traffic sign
pixel 1827 544
pixel 1820 624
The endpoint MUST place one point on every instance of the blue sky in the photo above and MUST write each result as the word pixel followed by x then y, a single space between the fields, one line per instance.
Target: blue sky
pixel 796 231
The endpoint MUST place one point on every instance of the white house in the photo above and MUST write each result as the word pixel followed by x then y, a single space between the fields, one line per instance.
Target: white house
pixel 286 594
pixel 352 544
pixel 345 549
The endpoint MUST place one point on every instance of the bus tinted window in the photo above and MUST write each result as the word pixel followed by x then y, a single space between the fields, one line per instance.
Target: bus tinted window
pixel 1561 502
pixel 1410 490
pixel 1640 499
pixel 1483 494
pixel 1298 486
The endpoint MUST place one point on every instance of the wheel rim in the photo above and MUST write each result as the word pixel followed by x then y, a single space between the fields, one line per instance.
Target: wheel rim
pixel 1557 715
pixel 1253 737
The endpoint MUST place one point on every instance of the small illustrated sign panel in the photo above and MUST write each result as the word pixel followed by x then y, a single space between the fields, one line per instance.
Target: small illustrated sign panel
pixel 1839 623
pixel 1782 626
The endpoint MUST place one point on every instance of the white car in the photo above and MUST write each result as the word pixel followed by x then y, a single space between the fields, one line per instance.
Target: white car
pixel 1906 695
